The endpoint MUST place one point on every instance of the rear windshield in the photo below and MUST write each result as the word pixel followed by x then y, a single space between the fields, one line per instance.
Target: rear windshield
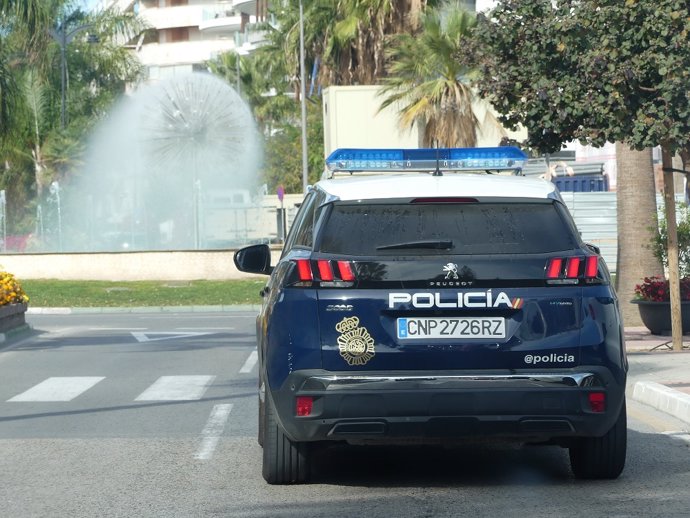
pixel 438 229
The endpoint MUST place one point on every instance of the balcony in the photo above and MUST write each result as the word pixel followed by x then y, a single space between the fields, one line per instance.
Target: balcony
pixel 166 54
pixel 172 17
pixel 220 20
pixel 245 6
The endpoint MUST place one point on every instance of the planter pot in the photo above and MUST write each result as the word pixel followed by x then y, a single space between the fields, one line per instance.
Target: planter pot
pixel 656 316
pixel 12 316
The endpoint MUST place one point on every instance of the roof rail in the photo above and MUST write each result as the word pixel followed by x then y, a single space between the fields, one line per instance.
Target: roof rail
pixel 435 160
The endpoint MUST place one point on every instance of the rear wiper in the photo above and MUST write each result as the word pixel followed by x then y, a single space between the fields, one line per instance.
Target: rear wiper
pixel 432 245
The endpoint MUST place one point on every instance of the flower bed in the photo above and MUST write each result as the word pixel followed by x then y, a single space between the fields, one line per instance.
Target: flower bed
pixel 652 298
pixel 13 303
pixel 656 289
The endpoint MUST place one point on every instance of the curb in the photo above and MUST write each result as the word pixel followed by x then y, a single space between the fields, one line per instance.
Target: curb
pixel 143 309
pixel 663 398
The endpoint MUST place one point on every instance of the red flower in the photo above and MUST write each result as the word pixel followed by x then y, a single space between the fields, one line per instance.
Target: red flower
pixel 657 289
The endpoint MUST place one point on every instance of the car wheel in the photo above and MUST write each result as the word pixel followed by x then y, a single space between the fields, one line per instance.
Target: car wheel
pixel 284 461
pixel 601 457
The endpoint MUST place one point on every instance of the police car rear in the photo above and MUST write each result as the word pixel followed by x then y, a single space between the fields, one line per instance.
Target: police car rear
pixel 436 307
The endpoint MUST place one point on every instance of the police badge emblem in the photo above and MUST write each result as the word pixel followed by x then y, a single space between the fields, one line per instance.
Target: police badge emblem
pixel 355 343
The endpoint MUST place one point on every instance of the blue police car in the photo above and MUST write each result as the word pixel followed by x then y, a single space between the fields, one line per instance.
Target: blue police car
pixel 425 296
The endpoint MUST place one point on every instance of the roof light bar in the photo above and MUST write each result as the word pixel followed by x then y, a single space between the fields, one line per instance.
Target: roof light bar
pixel 426 159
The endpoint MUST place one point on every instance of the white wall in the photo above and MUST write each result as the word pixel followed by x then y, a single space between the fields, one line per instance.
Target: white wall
pixel 352 119
pixel 129 266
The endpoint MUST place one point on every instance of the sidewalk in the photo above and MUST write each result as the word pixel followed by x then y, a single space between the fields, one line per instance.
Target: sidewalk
pixel 665 381
pixel 639 339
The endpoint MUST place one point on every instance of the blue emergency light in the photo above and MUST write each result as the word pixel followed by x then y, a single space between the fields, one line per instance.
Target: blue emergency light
pixel 426 159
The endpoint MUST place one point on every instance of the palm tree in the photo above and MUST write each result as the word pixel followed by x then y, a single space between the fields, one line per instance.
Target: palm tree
pixel 32 144
pixel 637 221
pixel 362 30
pixel 345 39
pixel 8 90
pixel 430 83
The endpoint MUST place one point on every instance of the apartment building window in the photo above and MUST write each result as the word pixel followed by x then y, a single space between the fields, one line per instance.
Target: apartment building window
pixel 178 34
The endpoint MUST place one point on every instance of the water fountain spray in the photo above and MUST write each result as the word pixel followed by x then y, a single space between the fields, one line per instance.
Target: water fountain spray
pixel 165 171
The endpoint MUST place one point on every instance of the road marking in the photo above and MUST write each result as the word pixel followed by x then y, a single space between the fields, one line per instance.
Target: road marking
pixel 155 337
pixel 249 364
pixel 208 328
pixel 211 433
pixel 177 388
pixel 58 389
pixel 118 328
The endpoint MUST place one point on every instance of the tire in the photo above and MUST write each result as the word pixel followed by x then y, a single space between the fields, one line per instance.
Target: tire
pixel 284 461
pixel 601 457
pixel 262 418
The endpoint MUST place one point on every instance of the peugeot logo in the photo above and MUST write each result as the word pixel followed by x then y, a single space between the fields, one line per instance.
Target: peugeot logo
pixel 451 271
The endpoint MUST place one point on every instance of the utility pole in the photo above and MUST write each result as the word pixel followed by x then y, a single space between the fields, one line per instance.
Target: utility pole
pixel 303 99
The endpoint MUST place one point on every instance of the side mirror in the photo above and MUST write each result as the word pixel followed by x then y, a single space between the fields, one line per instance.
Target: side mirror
pixel 254 259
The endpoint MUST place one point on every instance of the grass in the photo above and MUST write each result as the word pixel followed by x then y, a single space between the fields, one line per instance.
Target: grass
pixel 57 293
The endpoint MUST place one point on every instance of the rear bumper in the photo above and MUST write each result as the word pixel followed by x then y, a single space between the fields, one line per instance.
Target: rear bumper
pixel 450 405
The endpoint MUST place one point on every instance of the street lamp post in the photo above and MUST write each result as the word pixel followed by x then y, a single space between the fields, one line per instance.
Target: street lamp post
pixel 63 38
pixel 305 163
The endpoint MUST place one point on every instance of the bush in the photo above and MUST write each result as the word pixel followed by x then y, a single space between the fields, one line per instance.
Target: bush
pixel 11 291
pixel 659 243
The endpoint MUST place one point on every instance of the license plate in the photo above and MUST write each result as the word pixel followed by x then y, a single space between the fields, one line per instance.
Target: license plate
pixel 426 328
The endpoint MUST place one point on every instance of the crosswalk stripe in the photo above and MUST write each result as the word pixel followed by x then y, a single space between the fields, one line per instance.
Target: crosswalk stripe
pixel 177 388
pixel 58 389
pixel 211 433
pixel 249 364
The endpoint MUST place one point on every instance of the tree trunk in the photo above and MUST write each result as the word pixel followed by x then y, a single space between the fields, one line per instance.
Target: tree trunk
pixel 672 249
pixel 637 221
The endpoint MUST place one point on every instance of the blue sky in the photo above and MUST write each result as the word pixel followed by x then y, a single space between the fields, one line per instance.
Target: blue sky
pixel 90 4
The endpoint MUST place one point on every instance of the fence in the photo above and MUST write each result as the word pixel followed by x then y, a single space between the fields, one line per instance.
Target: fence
pixel 594 214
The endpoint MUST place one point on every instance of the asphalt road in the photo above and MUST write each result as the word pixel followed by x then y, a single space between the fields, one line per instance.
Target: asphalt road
pixel 155 415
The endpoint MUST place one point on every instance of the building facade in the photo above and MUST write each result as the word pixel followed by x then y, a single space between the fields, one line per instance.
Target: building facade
pixel 184 34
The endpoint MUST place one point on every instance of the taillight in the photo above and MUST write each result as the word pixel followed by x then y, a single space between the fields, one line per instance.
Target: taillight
pixel 444 200
pixel 326 271
pixel 591 267
pixel 304 405
pixel 304 270
pixel 346 273
pixel 573 268
pixel 570 270
pixel 597 401
pixel 553 269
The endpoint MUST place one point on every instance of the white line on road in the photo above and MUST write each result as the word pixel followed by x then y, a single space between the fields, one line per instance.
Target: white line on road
pixel 58 389
pixel 118 328
pixel 158 336
pixel 177 388
pixel 211 433
pixel 206 328
pixel 249 364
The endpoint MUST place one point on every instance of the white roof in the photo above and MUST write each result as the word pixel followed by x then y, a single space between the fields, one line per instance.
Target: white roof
pixel 412 185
